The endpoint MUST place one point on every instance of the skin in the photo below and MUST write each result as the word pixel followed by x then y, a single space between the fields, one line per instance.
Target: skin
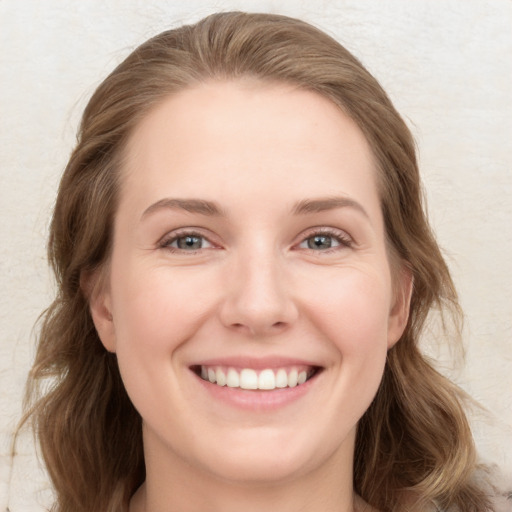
pixel 256 288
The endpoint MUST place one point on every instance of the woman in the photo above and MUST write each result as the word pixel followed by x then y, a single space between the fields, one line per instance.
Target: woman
pixel 244 271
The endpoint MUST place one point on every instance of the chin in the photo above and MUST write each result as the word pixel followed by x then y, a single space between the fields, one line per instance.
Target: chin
pixel 267 458
pixel 263 469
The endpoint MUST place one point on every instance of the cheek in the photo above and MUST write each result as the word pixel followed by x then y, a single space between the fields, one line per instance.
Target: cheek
pixel 353 311
pixel 357 325
pixel 353 316
pixel 155 311
pixel 158 308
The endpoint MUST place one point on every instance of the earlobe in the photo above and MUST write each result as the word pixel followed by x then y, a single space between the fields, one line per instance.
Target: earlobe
pixel 97 291
pixel 399 314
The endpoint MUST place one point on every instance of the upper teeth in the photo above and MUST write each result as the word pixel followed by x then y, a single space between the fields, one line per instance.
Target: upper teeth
pixel 248 378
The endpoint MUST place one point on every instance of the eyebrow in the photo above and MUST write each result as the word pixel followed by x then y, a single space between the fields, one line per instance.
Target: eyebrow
pixel 211 209
pixel 326 203
pixel 201 206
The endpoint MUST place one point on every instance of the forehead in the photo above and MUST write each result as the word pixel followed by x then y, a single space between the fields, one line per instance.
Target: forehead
pixel 248 135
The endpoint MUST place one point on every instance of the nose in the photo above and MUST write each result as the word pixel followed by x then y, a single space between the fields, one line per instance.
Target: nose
pixel 258 299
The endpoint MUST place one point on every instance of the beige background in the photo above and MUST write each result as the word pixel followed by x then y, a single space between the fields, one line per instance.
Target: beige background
pixel 447 64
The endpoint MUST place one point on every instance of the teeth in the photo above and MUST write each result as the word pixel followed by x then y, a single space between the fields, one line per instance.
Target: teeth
pixel 267 380
pixel 233 379
pixel 221 378
pixel 248 378
pixel 292 378
pixel 281 379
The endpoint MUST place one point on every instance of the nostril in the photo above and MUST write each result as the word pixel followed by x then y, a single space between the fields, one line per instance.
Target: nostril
pixel 258 329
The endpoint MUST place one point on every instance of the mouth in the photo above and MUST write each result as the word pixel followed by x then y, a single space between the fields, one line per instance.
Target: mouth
pixel 265 379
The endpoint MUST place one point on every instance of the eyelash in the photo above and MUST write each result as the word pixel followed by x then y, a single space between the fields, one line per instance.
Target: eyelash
pixel 342 238
pixel 167 241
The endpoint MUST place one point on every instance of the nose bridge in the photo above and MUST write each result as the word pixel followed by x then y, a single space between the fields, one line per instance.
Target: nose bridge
pixel 259 298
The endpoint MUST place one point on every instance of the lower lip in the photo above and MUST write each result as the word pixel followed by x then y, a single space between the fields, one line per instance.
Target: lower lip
pixel 257 400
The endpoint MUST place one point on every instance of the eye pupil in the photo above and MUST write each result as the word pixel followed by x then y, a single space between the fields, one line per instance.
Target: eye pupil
pixel 320 242
pixel 190 242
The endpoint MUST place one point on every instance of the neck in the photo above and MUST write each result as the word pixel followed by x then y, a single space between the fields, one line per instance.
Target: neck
pixel 172 485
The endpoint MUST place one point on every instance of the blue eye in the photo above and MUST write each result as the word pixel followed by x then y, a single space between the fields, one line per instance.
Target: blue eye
pixel 187 242
pixel 326 241
pixel 321 242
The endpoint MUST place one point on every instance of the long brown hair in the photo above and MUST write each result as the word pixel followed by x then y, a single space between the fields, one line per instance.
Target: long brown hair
pixel 413 442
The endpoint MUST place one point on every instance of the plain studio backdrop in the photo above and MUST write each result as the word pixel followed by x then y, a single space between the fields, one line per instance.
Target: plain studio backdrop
pixel 447 65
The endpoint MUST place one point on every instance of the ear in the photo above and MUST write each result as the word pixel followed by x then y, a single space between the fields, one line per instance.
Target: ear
pixel 96 288
pixel 399 313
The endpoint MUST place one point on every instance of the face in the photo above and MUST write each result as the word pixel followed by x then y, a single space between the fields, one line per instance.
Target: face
pixel 249 298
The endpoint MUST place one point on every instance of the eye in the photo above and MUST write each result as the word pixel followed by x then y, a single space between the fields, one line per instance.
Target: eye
pixel 320 242
pixel 324 241
pixel 187 242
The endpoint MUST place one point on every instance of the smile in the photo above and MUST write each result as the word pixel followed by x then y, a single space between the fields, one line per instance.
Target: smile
pixel 251 379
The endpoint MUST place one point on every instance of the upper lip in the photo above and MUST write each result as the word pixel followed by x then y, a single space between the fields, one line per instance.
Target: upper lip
pixel 256 363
